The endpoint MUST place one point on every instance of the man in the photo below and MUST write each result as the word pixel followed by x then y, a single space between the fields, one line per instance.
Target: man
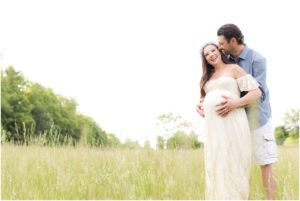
pixel 231 42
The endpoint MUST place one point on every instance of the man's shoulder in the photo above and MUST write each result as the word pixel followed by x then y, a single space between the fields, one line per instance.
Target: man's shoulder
pixel 255 55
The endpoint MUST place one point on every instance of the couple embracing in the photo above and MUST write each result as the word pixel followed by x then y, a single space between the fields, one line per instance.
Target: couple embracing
pixel 237 114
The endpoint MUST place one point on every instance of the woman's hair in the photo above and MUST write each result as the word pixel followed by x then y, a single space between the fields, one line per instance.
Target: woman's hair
pixel 230 31
pixel 207 69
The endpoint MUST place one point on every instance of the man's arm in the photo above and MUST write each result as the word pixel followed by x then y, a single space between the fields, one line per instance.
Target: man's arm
pixel 199 108
pixel 260 74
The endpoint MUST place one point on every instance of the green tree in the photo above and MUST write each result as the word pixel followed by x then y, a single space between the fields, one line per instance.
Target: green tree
pixel 43 104
pixel 179 140
pixel 113 141
pixel 29 111
pixel 291 123
pixel 54 115
pixel 160 142
pixel 130 144
pixel 92 134
pixel 175 130
pixel 171 123
pixel 280 134
pixel 147 144
pixel 15 108
pixel 195 141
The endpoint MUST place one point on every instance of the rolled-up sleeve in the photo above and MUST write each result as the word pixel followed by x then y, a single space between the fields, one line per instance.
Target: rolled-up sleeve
pixel 260 74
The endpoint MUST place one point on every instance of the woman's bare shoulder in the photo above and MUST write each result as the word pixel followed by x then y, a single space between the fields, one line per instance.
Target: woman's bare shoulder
pixel 237 70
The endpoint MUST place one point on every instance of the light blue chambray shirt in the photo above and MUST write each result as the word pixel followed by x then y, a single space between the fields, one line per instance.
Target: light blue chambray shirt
pixel 255 64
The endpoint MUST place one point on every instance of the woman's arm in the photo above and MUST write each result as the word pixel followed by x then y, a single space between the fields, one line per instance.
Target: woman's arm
pixel 249 98
pixel 229 104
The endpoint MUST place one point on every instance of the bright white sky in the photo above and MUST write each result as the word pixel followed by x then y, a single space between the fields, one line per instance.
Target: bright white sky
pixel 126 62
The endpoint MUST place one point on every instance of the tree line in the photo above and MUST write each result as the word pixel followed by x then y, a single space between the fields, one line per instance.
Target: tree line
pixel 32 113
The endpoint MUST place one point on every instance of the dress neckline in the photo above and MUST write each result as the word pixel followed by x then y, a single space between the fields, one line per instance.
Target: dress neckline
pixel 222 77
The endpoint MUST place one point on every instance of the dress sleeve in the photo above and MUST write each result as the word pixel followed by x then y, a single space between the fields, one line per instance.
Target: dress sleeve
pixel 247 83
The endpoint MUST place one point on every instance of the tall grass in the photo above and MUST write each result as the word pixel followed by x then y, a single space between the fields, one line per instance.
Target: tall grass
pixel 286 172
pixel 37 172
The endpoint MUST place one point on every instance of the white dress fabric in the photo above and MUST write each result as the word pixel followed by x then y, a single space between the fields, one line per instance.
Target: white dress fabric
pixel 227 141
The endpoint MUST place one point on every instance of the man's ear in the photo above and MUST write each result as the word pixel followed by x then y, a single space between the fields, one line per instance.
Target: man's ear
pixel 233 40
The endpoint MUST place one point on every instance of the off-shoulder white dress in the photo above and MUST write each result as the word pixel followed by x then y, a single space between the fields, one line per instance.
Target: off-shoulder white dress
pixel 227 141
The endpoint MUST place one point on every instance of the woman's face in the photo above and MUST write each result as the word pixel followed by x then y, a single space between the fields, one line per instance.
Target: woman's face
pixel 212 54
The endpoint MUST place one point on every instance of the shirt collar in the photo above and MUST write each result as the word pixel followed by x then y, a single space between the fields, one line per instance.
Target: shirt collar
pixel 242 56
pixel 244 53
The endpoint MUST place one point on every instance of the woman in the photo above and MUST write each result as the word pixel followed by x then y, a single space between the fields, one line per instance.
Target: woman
pixel 227 136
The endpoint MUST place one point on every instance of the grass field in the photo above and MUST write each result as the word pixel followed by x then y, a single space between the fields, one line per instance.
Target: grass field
pixel 85 173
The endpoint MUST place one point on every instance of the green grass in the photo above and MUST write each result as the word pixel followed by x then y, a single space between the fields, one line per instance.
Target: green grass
pixel 84 173
pixel 286 172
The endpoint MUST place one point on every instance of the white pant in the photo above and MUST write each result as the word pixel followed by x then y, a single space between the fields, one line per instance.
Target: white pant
pixel 264 145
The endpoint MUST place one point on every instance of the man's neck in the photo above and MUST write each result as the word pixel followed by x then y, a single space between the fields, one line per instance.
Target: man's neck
pixel 237 52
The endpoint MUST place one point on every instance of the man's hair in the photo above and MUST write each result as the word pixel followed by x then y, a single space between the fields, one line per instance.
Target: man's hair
pixel 230 31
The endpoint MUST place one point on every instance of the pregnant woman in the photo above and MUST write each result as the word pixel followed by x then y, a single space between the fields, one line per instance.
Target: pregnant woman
pixel 227 137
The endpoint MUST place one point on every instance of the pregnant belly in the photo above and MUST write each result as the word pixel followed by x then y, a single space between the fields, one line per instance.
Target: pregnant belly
pixel 215 97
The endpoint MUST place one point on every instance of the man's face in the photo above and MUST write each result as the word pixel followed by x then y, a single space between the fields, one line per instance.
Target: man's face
pixel 224 46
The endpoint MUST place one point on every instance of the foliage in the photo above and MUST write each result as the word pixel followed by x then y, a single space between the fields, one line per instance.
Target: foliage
pixel 15 107
pixel 32 113
pixel 280 134
pixel 195 142
pixel 175 129
pixel 113 141
pixel 147 144
pixel 171 123
pixel 131 144
pixel 289 132
pixel 160 142
pixel 181 140
pixel 291 120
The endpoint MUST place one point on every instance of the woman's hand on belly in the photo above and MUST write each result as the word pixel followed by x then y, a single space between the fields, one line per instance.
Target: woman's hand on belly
pixel 226 105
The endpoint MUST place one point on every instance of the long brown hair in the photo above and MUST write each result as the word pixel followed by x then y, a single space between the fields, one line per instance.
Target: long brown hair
pixel 207 69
